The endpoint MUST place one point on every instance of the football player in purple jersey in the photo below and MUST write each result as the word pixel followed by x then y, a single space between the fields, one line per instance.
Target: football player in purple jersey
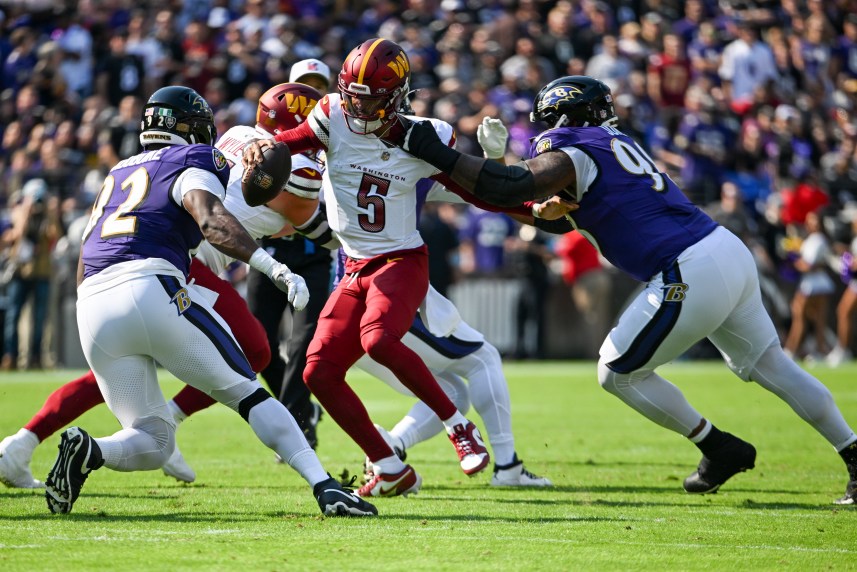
pixel 701 280
pixel 136 310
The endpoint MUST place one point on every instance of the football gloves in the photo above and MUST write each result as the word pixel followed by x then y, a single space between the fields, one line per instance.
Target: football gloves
pixel 492 136
pixel 292 284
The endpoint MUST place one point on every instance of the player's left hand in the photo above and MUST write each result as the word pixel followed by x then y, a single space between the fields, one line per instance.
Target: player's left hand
pixel 417 137
pixel 253 152
pixel 292 284
pixel 492 136
pixel 554 208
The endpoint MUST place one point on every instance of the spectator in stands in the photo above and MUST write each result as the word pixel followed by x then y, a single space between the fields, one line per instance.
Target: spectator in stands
pixel 591 287
pixel 815 288
pixel 483 238
pixel 35 229
pixel 747 63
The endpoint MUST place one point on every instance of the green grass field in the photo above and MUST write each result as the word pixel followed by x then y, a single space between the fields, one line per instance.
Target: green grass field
pixel 617 504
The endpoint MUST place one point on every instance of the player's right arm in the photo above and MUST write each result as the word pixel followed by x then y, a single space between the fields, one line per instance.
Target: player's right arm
pixel 503 185
pixel 225 233
pixel 310 135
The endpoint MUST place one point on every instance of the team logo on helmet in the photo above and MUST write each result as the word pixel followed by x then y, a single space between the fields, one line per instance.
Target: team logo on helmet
pixel 170 122
pixel 219 159
pixel 558 95
pixel 400 65
pixel 200 103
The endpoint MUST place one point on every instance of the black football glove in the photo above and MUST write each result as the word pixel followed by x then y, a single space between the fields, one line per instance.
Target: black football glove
pixel 421 140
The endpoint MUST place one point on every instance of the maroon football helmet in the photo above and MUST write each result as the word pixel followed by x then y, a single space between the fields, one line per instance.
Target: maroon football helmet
pixel 285 106
pixel 373 82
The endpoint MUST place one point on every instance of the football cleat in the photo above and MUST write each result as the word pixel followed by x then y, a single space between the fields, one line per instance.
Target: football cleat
pixel 15 456
pixel 334 500
pixel 472 454
pixel 177 468
pixel 734 457
pixel 403 483
pixel 516 475
pixel 850 497
pixel 79 455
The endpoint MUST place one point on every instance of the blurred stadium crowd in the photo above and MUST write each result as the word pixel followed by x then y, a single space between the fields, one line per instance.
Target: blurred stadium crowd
pixel 748 104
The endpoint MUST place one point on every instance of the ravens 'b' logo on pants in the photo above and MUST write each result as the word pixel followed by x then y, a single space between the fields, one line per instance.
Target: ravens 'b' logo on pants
pixel 675 292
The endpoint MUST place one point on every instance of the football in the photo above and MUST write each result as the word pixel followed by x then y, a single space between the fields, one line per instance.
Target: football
pixel 267 178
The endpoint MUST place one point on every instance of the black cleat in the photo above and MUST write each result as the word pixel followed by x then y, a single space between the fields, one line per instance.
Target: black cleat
pixel 734 457
pixel 334 500
pixel 850 497
pixel 79 455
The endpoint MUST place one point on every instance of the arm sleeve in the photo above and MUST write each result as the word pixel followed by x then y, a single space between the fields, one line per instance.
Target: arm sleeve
pixel 195 178
pixel 451 185
pixel 301 138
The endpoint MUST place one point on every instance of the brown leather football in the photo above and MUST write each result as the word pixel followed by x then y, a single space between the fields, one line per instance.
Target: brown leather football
pixel 264 181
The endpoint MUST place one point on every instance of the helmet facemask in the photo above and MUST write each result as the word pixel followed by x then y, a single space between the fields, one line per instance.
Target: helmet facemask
pixel 367 113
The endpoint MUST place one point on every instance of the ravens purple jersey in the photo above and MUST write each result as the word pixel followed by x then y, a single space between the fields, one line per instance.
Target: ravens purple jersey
pixel 135 216
pixel 635 215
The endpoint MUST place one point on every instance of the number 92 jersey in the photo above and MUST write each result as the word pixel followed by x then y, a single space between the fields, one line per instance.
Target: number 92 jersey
pixel 635 215
pixel 136 216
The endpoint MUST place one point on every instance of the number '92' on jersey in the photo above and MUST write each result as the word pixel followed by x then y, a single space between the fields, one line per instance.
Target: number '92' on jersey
pixel 635 215
pixel 135 216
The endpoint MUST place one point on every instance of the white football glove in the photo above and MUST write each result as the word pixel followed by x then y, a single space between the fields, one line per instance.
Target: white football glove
pixel 492 136
pixel 292 284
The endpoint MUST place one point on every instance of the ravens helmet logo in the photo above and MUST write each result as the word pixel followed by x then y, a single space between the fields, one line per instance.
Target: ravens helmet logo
pixel 559 95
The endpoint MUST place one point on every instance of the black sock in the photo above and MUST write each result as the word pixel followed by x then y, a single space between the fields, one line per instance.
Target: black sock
pixel 849 455
pixel 713 441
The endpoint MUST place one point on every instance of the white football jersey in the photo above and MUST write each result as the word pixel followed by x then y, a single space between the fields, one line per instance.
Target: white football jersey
pixel 369 188
pixel 259 221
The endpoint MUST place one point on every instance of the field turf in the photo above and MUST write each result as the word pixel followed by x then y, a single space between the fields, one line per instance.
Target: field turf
pixel 617 504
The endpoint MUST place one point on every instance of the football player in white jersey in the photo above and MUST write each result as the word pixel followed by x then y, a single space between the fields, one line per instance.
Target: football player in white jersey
pixel 369 190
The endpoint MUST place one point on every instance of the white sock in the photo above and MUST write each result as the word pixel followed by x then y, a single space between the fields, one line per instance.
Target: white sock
pixel 489 394
pixel 143 448
pixel 307 464
pixel 26 439
pixel 702 434
pixel 176 411
pixel 390 465
pixel 456 419
pixel 278 430
pixel 807 396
